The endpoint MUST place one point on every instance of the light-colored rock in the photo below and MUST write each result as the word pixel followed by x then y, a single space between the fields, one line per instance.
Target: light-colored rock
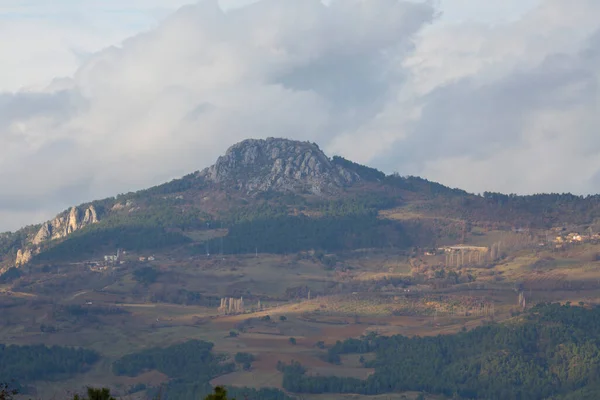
pixel 73 221
pixel 90 217
pixel 23 257
pixel 58 228
pixel 279 165
pixel 45 233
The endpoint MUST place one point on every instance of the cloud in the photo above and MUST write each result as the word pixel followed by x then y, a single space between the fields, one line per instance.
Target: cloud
pixel 509 107
pixel 168 101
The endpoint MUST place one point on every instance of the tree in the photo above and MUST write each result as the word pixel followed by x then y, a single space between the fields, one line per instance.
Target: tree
pixel 282 318
pixel 243 358
pixel 146 275
pixel 293 340
pixel 219 394
pixel 95 394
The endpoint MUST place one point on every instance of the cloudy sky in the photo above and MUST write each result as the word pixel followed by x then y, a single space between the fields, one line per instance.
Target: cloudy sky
pixel 99 97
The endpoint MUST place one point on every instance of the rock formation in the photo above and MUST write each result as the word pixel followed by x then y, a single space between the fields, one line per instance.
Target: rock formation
pixel 279 165
pixel 65 224
pixel 60 227
pixel 23 257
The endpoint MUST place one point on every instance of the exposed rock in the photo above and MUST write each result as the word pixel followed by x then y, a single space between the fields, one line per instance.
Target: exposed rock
pixel 66 223
pixel 90 217
pixel 70 223
pixel 280 165
pixel 60 227
pixel 23 257
pixel 45 233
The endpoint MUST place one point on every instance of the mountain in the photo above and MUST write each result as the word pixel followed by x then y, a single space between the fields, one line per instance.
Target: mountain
pixel 303 200
pixel 279 165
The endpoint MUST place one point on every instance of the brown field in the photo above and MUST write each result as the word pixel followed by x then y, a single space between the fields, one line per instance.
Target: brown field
pixel 336 310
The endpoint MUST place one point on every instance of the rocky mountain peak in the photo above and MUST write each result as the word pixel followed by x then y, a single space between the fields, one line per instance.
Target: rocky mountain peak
pixel 279 165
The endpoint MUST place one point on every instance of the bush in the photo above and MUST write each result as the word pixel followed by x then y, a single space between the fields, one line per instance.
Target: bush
pixel 242 358
pixel 146 275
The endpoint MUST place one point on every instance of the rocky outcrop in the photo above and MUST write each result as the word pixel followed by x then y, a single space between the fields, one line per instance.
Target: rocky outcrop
pixel 23 257
pixel 65 224
pixel 58 228
pixel 90 216
pixel 279 165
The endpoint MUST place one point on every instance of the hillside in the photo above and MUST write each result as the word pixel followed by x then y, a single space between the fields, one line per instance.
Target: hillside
pixel 274 254
pixel 294 189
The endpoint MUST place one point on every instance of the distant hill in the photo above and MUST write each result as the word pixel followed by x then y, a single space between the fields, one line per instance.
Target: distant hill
pixel 284 196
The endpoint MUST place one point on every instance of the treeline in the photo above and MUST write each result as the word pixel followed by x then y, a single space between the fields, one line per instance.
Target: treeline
pixel 25 364
pixel 286 234
pixel 552 352
pixel 185 183
pixel 423 187
pixel 366 205
pixel 193 359
pixel 498 210
pixel 95 237
pixel 548 209
pixel 183 390
pixel 366 173
pixel 190 366
pixel 11 275
pixel 183 296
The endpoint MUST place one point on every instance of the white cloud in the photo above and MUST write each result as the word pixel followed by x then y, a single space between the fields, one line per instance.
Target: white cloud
pixel 509 107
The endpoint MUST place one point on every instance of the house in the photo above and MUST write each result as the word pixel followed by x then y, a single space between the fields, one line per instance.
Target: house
pixel 151 258
pixel 142 259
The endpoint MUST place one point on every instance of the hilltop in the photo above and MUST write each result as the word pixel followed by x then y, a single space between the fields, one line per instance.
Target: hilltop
pixel 286 183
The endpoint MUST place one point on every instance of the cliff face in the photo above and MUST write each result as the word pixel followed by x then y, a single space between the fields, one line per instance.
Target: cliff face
pixel 58 228
pixel 23 257
pixel 65 224
pixel 279 165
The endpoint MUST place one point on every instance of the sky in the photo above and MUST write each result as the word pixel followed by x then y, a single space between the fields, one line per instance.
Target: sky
pixel 100 97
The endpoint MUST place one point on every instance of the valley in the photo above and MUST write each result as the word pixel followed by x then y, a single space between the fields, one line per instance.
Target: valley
pixel 133 304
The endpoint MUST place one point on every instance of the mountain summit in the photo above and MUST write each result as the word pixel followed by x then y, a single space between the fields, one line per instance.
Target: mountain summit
pixel 279 165
pixel 361 207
